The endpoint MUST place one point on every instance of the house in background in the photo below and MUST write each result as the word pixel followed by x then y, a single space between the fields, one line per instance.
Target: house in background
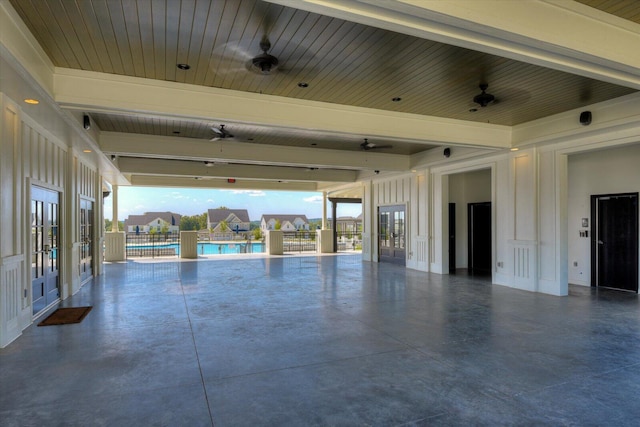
pixel 156 221
pixel 347 224
pixel 287 222
pixel 226 224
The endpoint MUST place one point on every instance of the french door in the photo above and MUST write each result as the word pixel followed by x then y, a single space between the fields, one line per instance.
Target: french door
pixel 45 254
pixel 391 232
pixel 86 233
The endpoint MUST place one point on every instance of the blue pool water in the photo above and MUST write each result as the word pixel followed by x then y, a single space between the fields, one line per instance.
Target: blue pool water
pixel 211 248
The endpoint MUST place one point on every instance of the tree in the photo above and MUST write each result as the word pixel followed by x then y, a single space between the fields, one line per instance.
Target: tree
pixel 202 221
pixel 224 225
pixel 223 207
pixel 108 224
pixel 278 225
pixel 257 234
pixel 164 229
pixel 189 223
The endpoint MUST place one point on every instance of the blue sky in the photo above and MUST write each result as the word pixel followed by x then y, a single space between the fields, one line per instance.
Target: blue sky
pixel 190 201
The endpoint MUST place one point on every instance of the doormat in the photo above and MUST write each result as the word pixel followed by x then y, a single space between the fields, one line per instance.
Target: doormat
pixel 65 316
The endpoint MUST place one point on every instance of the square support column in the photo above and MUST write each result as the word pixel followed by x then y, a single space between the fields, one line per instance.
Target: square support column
pixel 275 242
pixel 189 244
pixel 325 241
pixel 114 246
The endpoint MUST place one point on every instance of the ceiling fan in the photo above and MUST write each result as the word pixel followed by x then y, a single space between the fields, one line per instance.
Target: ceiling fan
pixel 264 63
pixel 366 145
pixel 484 98
pixel 220 133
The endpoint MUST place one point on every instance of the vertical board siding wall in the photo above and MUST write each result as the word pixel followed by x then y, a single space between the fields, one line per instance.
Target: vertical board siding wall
pixel 86 181
pixel 410 191
pixel 29 156
pixel 523 244
pixel 11 247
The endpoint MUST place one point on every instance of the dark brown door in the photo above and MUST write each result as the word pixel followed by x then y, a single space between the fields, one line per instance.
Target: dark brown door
pixel 614 243
pixel 479 250
pixel 391 231
pixel 452 237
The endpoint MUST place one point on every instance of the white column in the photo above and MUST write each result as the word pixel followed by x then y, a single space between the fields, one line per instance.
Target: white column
pixel 325 241
pixel 114 223
pixel 324 210
pixel 189 244
pixel 275 242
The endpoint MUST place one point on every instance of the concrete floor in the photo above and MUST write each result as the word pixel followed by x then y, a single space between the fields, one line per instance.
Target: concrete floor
pixel 323 341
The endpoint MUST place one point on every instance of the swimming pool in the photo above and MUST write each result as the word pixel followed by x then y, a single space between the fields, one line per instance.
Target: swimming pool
pixel 203 249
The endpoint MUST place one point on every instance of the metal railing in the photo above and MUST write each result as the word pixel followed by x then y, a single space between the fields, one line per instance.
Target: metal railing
pixel 152 245
pixel 349 241
pixel 299 241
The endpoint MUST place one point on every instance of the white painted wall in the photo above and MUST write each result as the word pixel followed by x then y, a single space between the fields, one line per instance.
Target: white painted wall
pixel 465 188
pixel 410 191
pixel 608 171
pixel 39 145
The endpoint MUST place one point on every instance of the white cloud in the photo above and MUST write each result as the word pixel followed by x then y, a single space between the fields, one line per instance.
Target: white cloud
pixel 250 193
pixel 175 195
pixel 313 199
pixel 210 200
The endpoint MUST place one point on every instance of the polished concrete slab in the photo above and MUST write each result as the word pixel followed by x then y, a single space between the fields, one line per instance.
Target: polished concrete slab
pixel 331 340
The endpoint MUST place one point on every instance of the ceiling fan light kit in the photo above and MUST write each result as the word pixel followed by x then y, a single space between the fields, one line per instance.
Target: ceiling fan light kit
pixel 264 63
pixel 484 98
pixel 220 133
pixel 366 145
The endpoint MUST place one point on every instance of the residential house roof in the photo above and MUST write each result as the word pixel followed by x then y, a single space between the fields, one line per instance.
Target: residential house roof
pixel 283 217
pixel 217 215
pixel 146 218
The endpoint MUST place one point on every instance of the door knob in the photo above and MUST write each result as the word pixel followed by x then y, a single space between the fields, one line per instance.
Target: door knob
pixel 47 249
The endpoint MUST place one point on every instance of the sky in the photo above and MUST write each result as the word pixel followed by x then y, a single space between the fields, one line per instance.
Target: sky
pixel 191 201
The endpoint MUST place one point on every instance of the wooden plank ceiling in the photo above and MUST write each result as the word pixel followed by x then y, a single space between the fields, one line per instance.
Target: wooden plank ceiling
pixel 319 59
pixel 625 9
pixel 340 61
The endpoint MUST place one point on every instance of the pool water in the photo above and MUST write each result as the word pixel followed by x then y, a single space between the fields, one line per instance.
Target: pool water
pixel 229 248
pixel 211 248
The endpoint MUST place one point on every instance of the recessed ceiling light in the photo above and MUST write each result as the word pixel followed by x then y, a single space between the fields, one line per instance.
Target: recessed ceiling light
pixel 184 67
pixel 32 101
pixel 514 149
pixel 396 99
pixel 303 84
pixel 86 151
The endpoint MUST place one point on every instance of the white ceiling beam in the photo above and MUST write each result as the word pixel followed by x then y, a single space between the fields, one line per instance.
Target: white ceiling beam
pixel 167 147
pixel 559 34
pixel 222 184
pixel 93 91
pixel 139 166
